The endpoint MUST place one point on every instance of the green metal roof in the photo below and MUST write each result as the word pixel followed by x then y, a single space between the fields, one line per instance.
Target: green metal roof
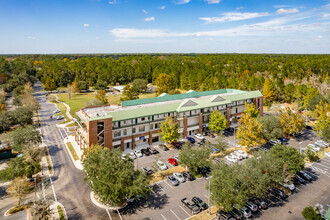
pixel 191 94
pixel 176 107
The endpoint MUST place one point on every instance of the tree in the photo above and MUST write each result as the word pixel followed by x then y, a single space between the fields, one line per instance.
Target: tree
pixel 311 155
pixel 140 85
pixel 222 144
pixel 310 214
pixel 289 91
pixel 272 127
pixel 169 130
pixel 250 132
pixel 195 157
pixel 82 85
pixel 311 92
pixel 323 120
pixel 269 90
pixel 315 100
pixel 101 85
pixel 24 135
pixel 291 122
pixel 50 84
pixel 129 93
pixel 217 121
pixel 290 156
pixel 18 188
pixel 326 134
pixel 41 210
pixel 100 95
pixel 164 83
pixel 113 179
pixel 251 110
pixel 28 100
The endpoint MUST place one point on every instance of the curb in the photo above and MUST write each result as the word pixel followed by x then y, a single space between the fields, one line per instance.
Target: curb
pixel 73 161
pixel 104 206
pixel 64 211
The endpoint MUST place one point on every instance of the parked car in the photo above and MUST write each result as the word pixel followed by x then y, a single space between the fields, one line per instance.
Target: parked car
pixel 56 111
pixel 246 212
pixel 289 185
pixel 191 140
pixel 132 155
pixel 231 159
pixel 224 215
pixel 152 150
pixel 60 117
pixel 200 203
pixel 145 152
pixel 199 136
pixel 147 170
pixel 305 176
pixel 194 209
pixel 242 153
pixel 262 204
pixel 309 127
pixel 173 180
pixel 163 147
pixel 251 205
pixel 313 147
pixel 300 179
pixel 188 176
pixel 179 177
pixel 236 214
pixel 236 155
pixel 176 157
pixel 275 141
pixel 282 139
pixel 138 153
pixel 177 145
pixel 161 165
pixel 277 193
pixel 123 156
pixel 172 161
pixel 321 143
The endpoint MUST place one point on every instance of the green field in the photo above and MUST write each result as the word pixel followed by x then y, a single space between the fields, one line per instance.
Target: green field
pixel 79 100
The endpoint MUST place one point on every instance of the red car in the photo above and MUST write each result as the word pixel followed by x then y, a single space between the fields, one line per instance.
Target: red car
pixel 173 161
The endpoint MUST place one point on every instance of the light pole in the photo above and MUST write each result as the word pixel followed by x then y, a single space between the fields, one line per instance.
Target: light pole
pixel 209 209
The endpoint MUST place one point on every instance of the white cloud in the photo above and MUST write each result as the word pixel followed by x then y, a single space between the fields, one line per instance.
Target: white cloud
pixel 213 1
pixel 287 11
pixel 112 2
pixel 85 25
pixel 31 38
pixel 149 19
pixel 238 8
pixel 144 11
pixel 233 16
pixel 326 15
pixel 281 6
pixel 162 7
pixel 181 2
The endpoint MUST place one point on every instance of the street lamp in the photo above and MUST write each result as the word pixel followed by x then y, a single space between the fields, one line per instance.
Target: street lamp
pixel 209 191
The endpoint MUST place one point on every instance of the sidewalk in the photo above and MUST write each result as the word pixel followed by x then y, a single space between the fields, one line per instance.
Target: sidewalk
pixel 77 163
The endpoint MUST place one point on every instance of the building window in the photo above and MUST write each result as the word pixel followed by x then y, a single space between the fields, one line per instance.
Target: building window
pixel 151 126
pixel 125 132
pixel 142 128
pixel 164 115
pixel 117 134
pixel 142 119
pixel 125 122
pixel 236 110
pixel 133 130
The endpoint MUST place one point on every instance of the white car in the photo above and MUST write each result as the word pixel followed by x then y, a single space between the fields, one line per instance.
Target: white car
pixel 327 154
pixel 242 153
pixel 138 153
pixel 176 157
pixel 199 136
pixel 123 156
pixel 56 111
pixel 313 147
pixel 60 117
pixel 161 165
pixel 321 143
pixel 231 159
pixel 289 185
pixel 179 177
pixel 132 155
pixel 236 155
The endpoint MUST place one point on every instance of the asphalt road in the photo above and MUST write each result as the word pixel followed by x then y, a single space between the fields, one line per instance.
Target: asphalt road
pixel 70 188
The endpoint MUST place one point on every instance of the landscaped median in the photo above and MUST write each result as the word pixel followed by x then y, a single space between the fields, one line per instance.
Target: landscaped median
pixel 72 151
pixel 204 214
pixel 163 174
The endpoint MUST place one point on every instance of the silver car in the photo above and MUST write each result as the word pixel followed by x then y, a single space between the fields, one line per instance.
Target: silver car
pixel 173 180
pixel 179 177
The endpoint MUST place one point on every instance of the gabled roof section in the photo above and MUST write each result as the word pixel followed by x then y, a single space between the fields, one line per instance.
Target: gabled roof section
pixel 187 103
pixel 163 94
pixel 192 94
pixel 217 98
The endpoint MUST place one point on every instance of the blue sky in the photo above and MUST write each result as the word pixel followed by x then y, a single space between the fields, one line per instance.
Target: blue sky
pixel 161 26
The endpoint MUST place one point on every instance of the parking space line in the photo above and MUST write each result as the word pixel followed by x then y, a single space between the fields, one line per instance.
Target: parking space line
pixel 153 192
pixel 160 187
pixel 175 214
pixel 326 167
pixel 108 213
pixel 317 169
pixel 185 210
pixel 119 215
pixel 206 196
pixel 163 216
pixel 168 184
pixel 326 162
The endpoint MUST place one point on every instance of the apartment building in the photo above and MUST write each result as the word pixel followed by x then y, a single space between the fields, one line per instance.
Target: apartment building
pixel 137 122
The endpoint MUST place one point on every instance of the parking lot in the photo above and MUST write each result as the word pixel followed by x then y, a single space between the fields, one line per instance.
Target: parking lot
pixel 164 202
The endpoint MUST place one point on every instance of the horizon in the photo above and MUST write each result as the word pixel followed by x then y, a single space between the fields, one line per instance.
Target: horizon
pixel 164 27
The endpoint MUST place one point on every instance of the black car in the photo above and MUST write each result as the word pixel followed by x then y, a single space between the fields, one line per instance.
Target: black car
pixel 163 147
pixel 278 193
pixel 188 176
pixel 145 152
pixel 299 179
pixel 200 203
pixel 152 150
pixel 204 171
pixel 262 204
pixel 305 176
pixel 224 215
pixel 190 205
pixel 309 127
pixel 236 214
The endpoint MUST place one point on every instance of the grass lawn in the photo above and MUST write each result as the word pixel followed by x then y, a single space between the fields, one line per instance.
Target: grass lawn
pixel 204 215
pixel 72 151
pixel 163 174
pixel 79 100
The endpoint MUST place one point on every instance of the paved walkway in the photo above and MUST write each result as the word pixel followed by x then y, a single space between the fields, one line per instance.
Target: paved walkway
pixel 77 163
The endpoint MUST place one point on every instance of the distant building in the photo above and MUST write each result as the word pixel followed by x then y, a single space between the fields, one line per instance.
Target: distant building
pixel 118 89
pixel 137 122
